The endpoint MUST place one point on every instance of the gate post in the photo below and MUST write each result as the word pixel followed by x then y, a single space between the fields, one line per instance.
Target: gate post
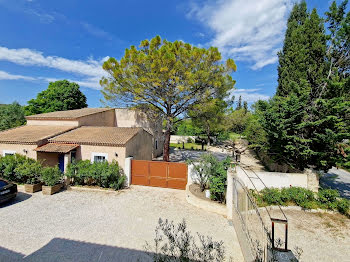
pixel 229 193
pixel 127 170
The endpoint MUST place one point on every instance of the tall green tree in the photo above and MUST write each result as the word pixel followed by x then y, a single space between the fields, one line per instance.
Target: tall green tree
pixel 292 66
pixel 239 103
pixel 309 116
pixel 11 116
pixel 209 116
pixel 166 79
pixel 59 96
pixel 245 106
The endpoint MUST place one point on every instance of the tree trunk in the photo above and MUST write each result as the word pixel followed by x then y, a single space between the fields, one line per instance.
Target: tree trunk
pixel 166 146
pixel 208 135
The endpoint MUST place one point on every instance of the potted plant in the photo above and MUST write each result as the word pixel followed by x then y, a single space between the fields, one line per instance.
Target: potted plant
pixel 52 179
pixel 29 172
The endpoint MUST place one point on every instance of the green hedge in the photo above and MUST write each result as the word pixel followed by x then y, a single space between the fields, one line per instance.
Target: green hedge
pixel 103 174
pixel 24 170
pixel 325 198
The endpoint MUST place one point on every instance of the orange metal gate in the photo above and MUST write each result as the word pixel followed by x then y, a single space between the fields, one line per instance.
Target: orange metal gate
pixel 159 174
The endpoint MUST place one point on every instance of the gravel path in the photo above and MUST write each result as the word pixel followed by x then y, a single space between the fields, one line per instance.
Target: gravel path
pixel 100 226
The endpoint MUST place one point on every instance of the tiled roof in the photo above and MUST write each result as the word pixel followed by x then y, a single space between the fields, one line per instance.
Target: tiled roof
pixel 94 135
pixel 56 148
pixel 31 134
pixel 68 115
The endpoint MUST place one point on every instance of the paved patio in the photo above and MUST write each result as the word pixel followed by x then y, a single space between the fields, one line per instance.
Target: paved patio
pixel 100 226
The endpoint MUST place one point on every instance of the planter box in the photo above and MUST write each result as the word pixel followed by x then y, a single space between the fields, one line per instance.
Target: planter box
pixel 32 188
pixel 49 190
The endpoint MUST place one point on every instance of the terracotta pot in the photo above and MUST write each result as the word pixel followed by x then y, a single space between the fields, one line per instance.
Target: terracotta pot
pixel 32 188
pixel 50 190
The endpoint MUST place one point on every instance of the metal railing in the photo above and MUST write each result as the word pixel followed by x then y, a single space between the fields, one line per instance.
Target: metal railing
pixel 257 223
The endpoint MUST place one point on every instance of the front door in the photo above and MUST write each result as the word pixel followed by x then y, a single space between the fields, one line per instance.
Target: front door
pixel 61 162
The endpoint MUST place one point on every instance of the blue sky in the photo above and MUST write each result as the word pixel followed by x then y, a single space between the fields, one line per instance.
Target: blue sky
pixel 46 40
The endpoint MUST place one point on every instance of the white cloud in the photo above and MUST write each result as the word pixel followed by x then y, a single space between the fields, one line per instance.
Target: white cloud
pixel 7 76
pixel 247 30
pixel 90 71
pixel 28 57
pixel 249 95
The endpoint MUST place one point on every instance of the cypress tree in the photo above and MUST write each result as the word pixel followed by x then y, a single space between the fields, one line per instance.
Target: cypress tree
pixel 292 58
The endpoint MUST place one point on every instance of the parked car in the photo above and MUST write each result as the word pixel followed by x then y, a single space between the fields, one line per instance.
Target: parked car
pixel 7 191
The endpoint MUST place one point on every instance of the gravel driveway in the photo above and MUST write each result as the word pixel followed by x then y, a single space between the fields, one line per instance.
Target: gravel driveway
pixel 100 226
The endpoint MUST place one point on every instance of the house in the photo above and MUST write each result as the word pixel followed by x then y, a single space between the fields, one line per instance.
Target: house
pixel 95 134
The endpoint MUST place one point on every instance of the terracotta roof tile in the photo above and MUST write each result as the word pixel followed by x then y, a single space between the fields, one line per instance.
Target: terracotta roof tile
pixel 56 148
pixel 69 114
pixel 31 134
pixel 94 135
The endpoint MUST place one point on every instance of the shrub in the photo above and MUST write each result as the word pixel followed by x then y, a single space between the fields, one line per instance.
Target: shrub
pixel 218 178
pixel 8 165
pixel 175 243
pixel 298 195
pixel 343 206
pixel 51 176
pixel 29 171
pixel 328 196
pixel 272 196
pixel 190 140
pixel 101 174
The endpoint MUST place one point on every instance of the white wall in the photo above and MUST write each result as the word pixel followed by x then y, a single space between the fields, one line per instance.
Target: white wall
pixel 272 179
pixel 180 139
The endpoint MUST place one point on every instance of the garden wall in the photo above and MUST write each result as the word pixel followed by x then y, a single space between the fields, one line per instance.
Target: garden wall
pixel 179 139
pixel 309 179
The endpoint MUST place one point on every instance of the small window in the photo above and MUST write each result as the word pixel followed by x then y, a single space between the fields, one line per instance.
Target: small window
pixel 99 158
pixel 156 144
pixel 8 153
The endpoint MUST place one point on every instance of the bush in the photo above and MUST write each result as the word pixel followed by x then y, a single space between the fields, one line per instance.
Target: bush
pixel 217 180
pixel 298 195
pixel 101 174
pixel 175 243
pixel 9 163
pixel 190 140
pixel 327 196
pixel 272 196
pixel 51 176
pixel 343 206
pixel 29 171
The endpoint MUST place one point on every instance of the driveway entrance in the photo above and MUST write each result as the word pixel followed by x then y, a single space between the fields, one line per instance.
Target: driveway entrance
pixel 159 174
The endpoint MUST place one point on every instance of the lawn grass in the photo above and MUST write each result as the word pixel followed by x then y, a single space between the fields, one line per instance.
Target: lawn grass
pixel 188 146
pixel 234 136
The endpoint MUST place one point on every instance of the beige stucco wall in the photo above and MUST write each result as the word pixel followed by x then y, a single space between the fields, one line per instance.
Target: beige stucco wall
pixel 131 118
pixel 84 152
pixel 52 123
pixel 19 149
pixel 48 159
pixel 106 118
pixel 140 146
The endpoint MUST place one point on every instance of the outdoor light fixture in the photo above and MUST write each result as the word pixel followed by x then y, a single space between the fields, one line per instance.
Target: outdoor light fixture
pixel 25 151
pixel 116 154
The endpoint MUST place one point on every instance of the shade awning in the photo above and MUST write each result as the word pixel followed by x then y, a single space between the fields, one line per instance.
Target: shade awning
pixel 56 148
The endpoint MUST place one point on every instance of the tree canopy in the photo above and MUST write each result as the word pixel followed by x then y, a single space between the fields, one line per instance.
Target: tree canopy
pixel 307 122
pixel 59 96
pixel 167 79
pixel 11 116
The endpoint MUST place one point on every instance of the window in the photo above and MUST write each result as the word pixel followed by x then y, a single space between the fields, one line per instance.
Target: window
pixel 156 144
pixel 73 156
pixel 8 152
pixel 99 157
